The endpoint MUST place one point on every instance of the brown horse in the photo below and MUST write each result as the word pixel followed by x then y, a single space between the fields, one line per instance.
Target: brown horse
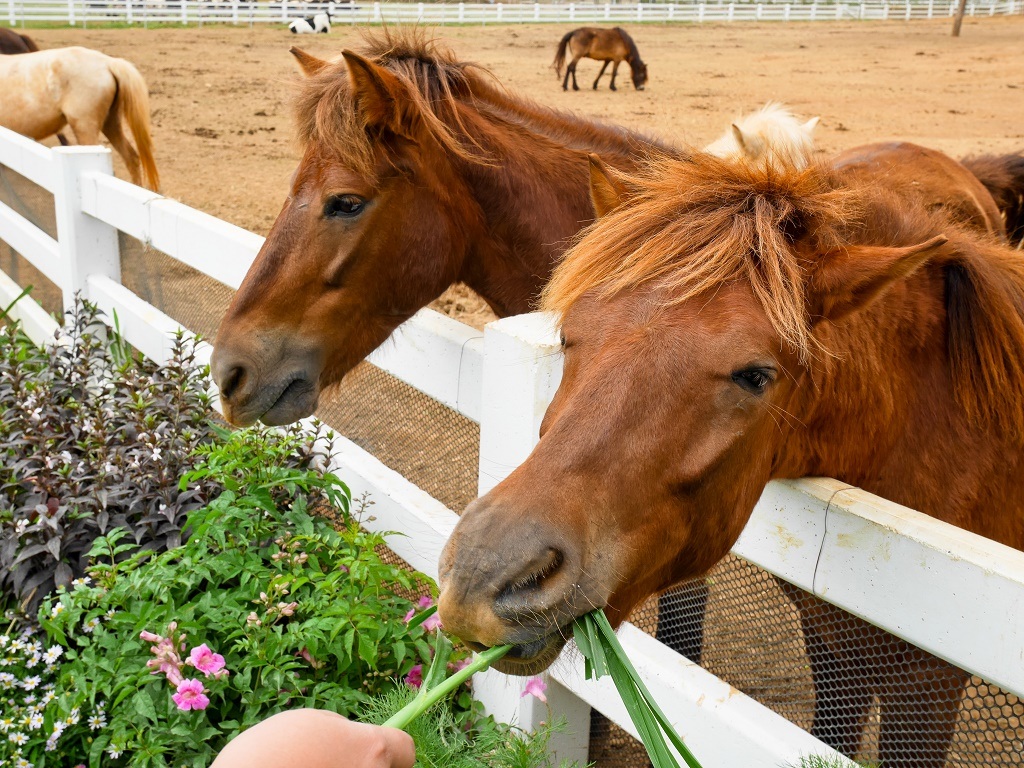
pixel 724 325
pixel 418 172
pixel 612 46
pixel 13 42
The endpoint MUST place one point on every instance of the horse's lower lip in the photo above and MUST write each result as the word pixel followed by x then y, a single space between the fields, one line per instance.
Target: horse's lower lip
pixel 296 401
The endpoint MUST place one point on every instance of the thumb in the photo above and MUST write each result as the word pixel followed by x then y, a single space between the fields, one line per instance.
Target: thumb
pixel 401 747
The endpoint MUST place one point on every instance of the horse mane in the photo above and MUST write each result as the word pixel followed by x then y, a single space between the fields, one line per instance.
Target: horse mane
pixel 439 86
pixel 634 52
pixel 710 222
pixel 775 132
pixel 692 225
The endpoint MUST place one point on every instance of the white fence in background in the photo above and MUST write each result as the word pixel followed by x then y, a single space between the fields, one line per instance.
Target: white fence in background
pixel 914 576
pixel 144 12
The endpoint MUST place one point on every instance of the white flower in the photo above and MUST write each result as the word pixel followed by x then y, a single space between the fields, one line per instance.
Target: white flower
pixel 53 654
pixel 7 680
pixel 23 763
pixel 56 610
pixel 21 526
pixel 32 660
pixel 156 454
pixel 17 645
pixel 74 716
pixel 98 721
pixel 109 614
pixel 18 738
pixel 4 640
pixel 50 696
pixel 85 581
pixel 29 683
pixel 114 751
pixel 90 625
pixel 35 722
pixel 6 724
pixel 30 699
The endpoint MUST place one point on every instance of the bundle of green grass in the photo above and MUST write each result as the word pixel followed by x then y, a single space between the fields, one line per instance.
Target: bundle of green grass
pixel 604 655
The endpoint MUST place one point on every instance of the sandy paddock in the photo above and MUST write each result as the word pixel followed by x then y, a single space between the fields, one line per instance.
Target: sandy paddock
pixel 223 130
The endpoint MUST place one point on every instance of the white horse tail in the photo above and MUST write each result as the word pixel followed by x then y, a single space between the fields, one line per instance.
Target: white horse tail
pixel 133 102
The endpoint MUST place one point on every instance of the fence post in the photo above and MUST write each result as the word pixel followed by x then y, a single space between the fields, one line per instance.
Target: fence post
pixel 671 11
pixel 785 12
pixel 87 246
pixel 700 13
pixel 522 368
pixel 757 12
pixel 462 11
pixel 732 11
pixel 498 12
pixel 234 11
pixel 536 11
pixel 931 8
pixel 377 16
pixel 71 12
pixel 128 11
pixel 639 11
pixel 184 12
pixel 607 11
pixel 907 15
pixel 572 11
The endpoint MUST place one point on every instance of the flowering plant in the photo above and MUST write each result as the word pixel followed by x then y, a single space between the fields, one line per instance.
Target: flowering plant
pixel 263 608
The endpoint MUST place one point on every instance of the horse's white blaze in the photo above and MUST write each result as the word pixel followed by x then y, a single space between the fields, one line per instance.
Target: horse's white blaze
pixel 772 135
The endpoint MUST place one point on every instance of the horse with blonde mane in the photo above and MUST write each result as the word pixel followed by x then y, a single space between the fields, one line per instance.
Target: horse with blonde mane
pixel 91 92
pixel 771 135
pixel 725 324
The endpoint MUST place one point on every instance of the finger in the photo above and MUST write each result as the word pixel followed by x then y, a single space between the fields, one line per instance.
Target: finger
pixel 401 747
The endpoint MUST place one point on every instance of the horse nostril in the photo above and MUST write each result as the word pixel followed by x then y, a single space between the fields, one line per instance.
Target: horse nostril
pixel 531 578
pixel 232 381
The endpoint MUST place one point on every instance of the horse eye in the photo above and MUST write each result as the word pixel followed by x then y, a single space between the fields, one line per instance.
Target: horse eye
pixel 754 380
pixel 343 206
pixel 561 339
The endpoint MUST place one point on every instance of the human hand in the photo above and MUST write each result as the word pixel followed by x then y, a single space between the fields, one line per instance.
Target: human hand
pixel 314 738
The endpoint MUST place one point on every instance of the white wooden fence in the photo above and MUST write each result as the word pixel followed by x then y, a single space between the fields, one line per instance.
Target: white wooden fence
pixel 144 12
pixel 949 591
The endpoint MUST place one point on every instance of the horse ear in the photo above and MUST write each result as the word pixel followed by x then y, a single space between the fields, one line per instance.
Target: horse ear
pixel 308 63
pixel 737 133
pixel 810 125
pixel 849 280
pixel 606 191
pixel 377 93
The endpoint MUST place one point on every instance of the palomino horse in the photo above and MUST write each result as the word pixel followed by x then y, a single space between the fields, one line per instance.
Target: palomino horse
pixel 723 325
pixel 770 135
pixel 13 42
pixel 418 172
pixel 612 46
pixel 87 90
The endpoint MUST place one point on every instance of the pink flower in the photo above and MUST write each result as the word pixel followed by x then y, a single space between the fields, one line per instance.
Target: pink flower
pixel 191 695
pixel 149 637
pixel 425 602
pixel 415 677
pixel 535 687
pixel 431 623
pixel 206 661
pixel 409 616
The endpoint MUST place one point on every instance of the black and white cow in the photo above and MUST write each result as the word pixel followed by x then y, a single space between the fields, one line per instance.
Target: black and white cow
pixel 318 22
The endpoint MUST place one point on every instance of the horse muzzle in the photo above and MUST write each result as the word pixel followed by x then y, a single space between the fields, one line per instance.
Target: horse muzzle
pixel 508 577
pixel 276 390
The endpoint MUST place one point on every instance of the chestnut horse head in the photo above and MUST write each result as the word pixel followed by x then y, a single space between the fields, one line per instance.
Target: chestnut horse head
pixel 724 325
pixel 417 172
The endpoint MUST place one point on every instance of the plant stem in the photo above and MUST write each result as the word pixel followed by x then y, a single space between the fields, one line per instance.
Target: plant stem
pixel 426 699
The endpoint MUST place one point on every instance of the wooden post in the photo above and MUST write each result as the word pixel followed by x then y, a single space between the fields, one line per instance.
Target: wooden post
pixel 522 368
pixel 87 246
pixel 959 18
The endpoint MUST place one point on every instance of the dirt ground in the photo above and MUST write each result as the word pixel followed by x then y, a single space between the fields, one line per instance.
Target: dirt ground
pixel 223 129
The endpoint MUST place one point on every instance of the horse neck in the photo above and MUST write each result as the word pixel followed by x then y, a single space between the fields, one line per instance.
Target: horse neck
pixel 882 415
pixel 534 197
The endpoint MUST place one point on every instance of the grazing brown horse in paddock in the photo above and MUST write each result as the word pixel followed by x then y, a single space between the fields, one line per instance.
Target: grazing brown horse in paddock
pixel 612 46
pixel 418 172
pixel 14 42
pixel 724 325
pixel 91 92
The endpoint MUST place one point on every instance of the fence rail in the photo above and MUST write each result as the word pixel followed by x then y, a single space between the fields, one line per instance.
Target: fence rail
pixel 910 574
pixel 144 12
